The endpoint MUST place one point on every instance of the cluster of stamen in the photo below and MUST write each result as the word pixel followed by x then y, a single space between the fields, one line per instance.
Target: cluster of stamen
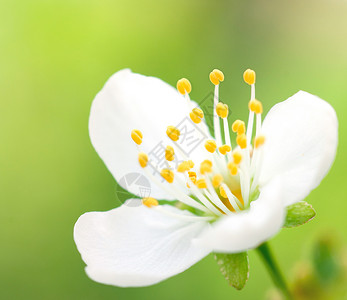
pixel 222 183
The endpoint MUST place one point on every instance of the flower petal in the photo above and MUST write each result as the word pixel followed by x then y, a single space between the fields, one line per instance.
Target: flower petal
pixel 132 101
pixel 137 246
pixel 301 141
pixel 248 229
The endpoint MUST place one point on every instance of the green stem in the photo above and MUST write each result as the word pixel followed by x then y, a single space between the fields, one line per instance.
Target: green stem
pixel 265 252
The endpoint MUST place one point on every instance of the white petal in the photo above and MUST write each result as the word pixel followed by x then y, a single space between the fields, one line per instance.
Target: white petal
pixel 301 142
pixel 136 246
pixel 246 230
pixel 132 101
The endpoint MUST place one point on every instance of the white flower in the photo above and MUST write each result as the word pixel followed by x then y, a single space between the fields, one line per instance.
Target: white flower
pixel 238 196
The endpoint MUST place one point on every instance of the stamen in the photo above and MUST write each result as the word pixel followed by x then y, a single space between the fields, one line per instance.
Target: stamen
pixel 168 175
pixel 216 76
pixel 137 136
pixel 149 202
pixel 185 166
pixel 206 167
pixel 259 141
pixel 255 106
pixel 196 115
pixel 169 153
pixel 184 86
pixel 192 176
pixel 217 180
pixel 201 183
pixel 222 110
pixel 237 156
pixel 233 168
pixel 224 149
pixel 239 127
pixel 210 146
pixel 241 140
pixel 173 133
pixel 143 159
pixel 249 76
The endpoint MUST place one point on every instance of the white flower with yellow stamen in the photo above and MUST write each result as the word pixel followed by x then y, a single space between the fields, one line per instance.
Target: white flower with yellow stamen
pixel 236 193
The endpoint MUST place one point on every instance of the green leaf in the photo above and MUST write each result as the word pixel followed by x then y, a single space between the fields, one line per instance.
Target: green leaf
pixel 299 214
pixel 234 267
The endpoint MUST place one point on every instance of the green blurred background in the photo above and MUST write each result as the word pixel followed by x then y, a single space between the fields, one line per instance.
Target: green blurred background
pixel 56 55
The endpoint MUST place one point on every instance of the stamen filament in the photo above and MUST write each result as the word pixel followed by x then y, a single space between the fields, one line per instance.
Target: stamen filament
pixel 234 202
pixel 216 122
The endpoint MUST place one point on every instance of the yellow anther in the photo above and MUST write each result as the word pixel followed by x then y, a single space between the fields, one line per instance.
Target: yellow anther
pixel 137 136
pixel 255 106
pixel 239 127
pixel 201 183
pixel 192 176
pixel 241 140
pixel 149 202
pixel 210 146
pixel 168 175
pixel 222 192
pixel 206 166
pixel 143 159
pixel 224 149
pixel 259 141
pixel 232 168
pixel 184 86
pixel 249 76
pixel 169 153
pixel 216 76
pixel 183 167
pixel 222 110
pixel 217 180
pixel 196 115
pixel 237 156
pixel 173 133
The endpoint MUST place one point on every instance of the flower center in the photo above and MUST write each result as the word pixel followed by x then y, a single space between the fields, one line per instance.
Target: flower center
pixel 227 180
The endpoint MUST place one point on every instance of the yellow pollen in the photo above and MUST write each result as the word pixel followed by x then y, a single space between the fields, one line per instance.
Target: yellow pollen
pixel 206 166
pixel 143 159
pixel 201 183
pixel 232 168
pixel 237 156
pixel 259 141
pixel 210 146
pixel 249 76
pixel 169 153
pixel 241 140
pixel 192 176
pixel 183 166
pixel 224 149
pixel 190 164
pixel 217 180
pixel 196 115
pixel 255 106
pixel 222 110
pixel 184 86
pixel 137 136
pixel 173 133
pixel 222 192
pixel 216 76
pixel 168 175
pixel 149 202
pixel 239 127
